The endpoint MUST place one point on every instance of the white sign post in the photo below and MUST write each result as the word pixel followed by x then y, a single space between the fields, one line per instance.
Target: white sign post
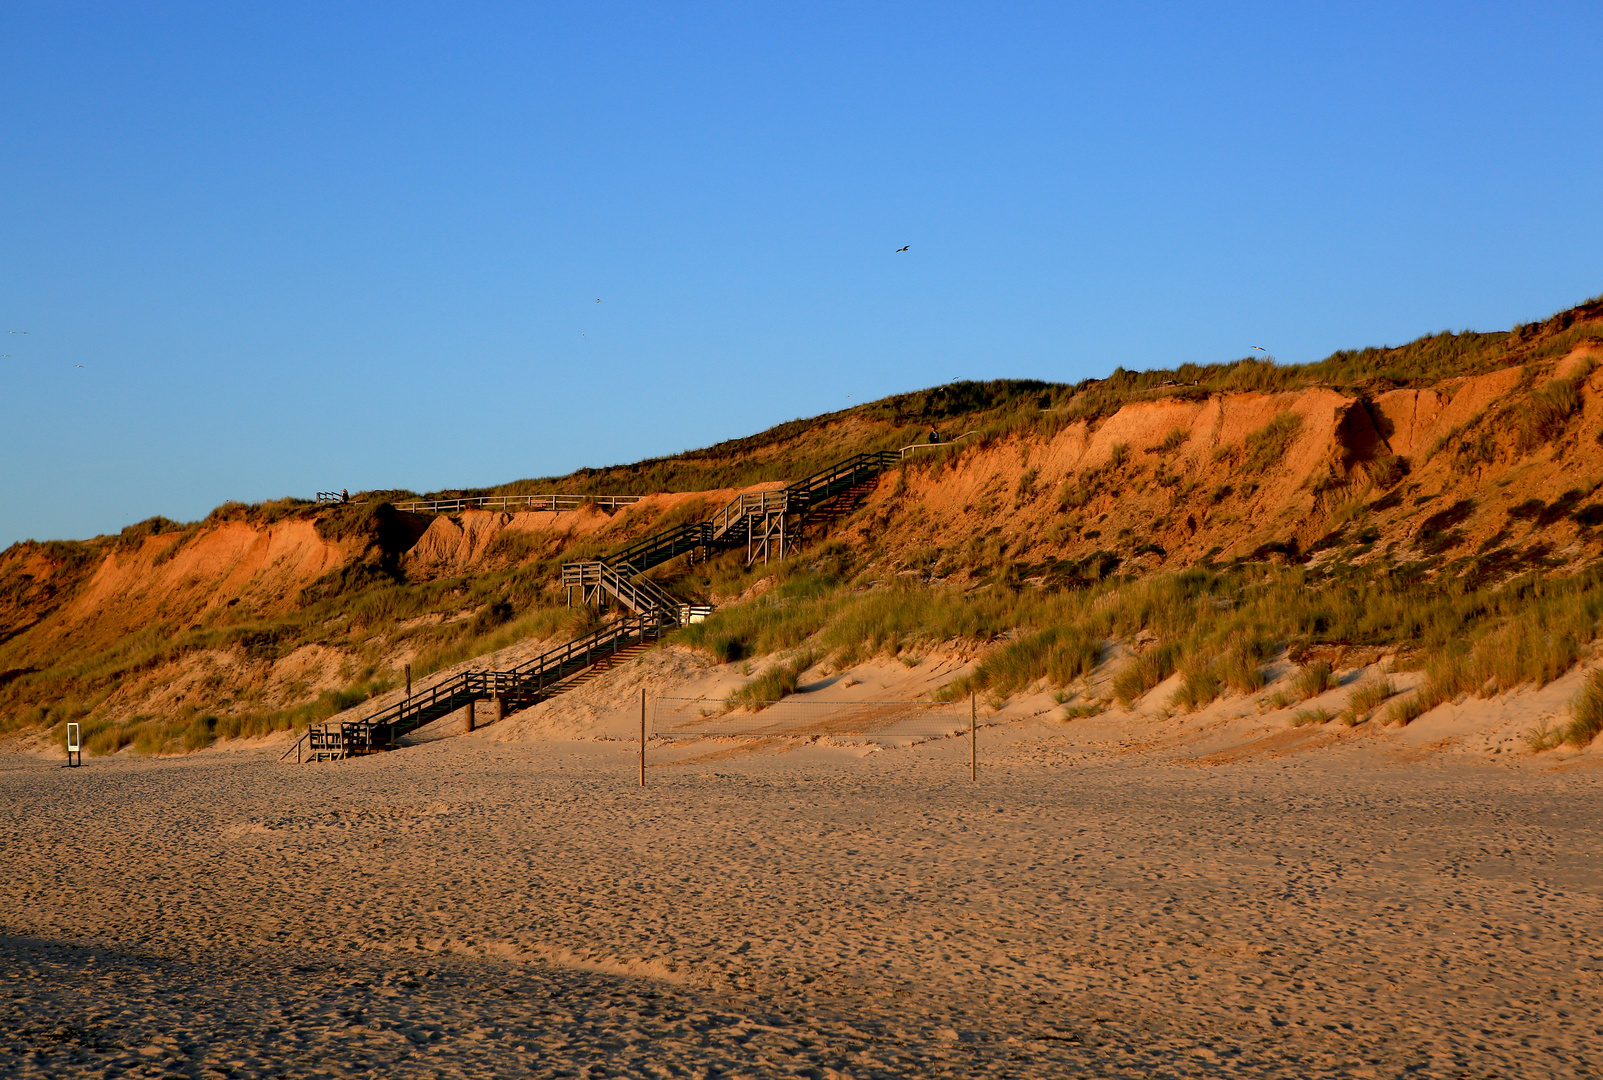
pixel 74 746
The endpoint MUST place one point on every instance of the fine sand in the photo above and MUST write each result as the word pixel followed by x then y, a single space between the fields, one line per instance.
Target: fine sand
pixel 476 907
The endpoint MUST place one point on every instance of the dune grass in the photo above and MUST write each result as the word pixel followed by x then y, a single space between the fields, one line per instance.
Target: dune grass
pixel 1240 664
pixel 1265 447
pixel 1200 684
pixel 1145 671
pixel 1313 679
pixel 1544 415
pixel 1543 737
pixel 1586 712
pixel 1365 698
pixel 1058 654
pixel 1532 646
pixel 1215 626
pixel 778 682
pixel 1311 716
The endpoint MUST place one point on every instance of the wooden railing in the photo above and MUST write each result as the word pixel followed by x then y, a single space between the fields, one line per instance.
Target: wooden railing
pixel 904 451
pixel 642 627
pixel 841 476
pixel 639 594
pixel 517 502
pixel 526 684
pixel 747 506
pixel 660 547
pixel 752 504
pixel 732 525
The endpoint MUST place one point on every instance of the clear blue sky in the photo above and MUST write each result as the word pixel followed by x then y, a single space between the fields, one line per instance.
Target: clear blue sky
pixel 309 246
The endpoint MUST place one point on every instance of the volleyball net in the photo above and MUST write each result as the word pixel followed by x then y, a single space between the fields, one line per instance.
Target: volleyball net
pixel 700 718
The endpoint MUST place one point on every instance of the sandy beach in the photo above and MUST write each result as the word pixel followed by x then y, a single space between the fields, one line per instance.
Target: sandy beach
pixel 475 907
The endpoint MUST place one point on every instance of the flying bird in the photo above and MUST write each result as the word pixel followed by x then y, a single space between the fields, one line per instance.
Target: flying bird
pixel 77 365
pixel 903 248
pixel 16 331
pixel 1261 349
pixel 598 299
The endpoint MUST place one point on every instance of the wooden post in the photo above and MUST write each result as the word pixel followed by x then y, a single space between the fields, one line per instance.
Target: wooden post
pixel 467 717
pixel 498 709
pixel 409 680
pixel 642 736
pixel 973 744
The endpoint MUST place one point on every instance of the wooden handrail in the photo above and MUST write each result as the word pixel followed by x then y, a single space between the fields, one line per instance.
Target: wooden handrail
pixel 722 528
pixel 533 678
pixel 296 744
pixel 935 445
pixel 517 502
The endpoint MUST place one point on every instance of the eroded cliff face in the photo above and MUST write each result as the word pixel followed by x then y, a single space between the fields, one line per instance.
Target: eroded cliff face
pixel 1468 478
pixel 1441 479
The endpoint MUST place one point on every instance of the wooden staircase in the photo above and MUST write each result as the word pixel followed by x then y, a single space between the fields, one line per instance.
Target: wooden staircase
pixel 842 506
pixel 545 676
pixel 766 523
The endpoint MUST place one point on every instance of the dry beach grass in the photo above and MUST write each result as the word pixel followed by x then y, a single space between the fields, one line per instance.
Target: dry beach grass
pixel 474 907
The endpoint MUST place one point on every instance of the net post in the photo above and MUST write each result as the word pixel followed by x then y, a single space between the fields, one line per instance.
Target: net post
pixel 642 736
pixel 973 742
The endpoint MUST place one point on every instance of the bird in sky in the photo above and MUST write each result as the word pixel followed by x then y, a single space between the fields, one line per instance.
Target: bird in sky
pixel 16 331
pixel 1261 349
pixel 598 299
pixel 77 365
pixel 904 248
